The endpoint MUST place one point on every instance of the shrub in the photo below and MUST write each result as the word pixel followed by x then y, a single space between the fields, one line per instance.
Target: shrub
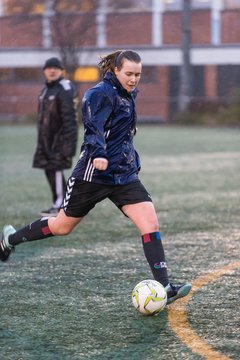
pixel 211 113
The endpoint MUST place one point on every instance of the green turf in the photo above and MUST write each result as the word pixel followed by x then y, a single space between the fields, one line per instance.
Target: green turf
pixel 69 298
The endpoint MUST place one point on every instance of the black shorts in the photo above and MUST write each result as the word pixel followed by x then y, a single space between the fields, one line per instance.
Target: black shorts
pixel 82 196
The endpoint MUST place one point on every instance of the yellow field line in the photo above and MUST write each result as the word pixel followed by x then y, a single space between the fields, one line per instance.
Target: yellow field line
pixel 177 317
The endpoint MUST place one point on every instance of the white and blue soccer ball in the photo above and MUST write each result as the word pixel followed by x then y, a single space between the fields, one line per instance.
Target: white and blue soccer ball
pixel 149 297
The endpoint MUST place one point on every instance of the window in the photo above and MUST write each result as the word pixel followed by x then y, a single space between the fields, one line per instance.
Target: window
pixel 14 7
pixel 136 5
pixel 5 74
pixel 69 6
pixel 86 74
pixel 173 4
pixel 196 4
pixel 201 4
pixel 27 74
pixel 231 4
pixel 20 74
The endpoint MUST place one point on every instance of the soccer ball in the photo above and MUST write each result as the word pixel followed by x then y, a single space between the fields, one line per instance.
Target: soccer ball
pixel 149 297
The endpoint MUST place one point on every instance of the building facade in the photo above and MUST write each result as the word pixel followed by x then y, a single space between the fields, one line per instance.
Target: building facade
pixel 31 34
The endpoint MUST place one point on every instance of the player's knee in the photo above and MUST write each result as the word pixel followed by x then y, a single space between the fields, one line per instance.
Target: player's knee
pixel 154 224
pixel 61 225
pixel 65 230
pixel 61 230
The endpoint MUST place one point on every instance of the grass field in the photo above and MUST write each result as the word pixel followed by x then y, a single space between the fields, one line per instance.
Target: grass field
pixel 69 298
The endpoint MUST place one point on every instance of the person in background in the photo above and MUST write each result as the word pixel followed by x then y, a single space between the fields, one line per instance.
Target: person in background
pixel 107 168
pixel 57 130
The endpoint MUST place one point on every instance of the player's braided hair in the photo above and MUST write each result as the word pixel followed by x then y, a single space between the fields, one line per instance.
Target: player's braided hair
pixel 115 59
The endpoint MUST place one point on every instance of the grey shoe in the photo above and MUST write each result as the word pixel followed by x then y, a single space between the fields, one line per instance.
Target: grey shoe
pixel 50 212
pixel 5 247
pixel 175 292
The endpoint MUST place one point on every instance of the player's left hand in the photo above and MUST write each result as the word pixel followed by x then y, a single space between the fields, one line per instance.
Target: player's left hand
pixel 100 163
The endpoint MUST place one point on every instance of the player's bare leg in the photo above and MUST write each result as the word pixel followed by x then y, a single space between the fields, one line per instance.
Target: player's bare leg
pixel 62 224
pixel 37 230
pixel 143 215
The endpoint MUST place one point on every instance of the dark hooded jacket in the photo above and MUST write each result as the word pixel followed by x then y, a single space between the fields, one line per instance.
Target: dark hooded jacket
pixel 109 119
pixel 57 126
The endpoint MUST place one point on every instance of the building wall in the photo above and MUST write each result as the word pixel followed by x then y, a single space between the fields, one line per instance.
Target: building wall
pixel 121 29
pixel 201 27
pixel 127 29
pixel 171 28
pixel 230 26
pixel 157 100
pixel 16 32
pixel 18 101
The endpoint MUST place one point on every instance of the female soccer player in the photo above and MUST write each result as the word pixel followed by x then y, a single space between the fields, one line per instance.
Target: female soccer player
pixel 108 167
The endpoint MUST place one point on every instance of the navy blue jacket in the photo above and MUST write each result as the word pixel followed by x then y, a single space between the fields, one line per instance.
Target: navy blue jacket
pixel 109 119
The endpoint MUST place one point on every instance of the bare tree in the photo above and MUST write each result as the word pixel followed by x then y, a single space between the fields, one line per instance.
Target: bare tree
pixel 71 27
pixel 66 24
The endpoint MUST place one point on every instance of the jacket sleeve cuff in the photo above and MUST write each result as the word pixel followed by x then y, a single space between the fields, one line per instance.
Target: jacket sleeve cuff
pixel 104 156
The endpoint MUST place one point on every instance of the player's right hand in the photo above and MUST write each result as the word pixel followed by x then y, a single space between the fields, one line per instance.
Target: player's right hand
pixel 100 163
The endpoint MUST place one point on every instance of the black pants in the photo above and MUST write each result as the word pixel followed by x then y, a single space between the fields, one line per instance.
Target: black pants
pixel 57 184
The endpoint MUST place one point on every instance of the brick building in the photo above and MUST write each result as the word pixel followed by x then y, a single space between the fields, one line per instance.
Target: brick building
pixel 151 27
